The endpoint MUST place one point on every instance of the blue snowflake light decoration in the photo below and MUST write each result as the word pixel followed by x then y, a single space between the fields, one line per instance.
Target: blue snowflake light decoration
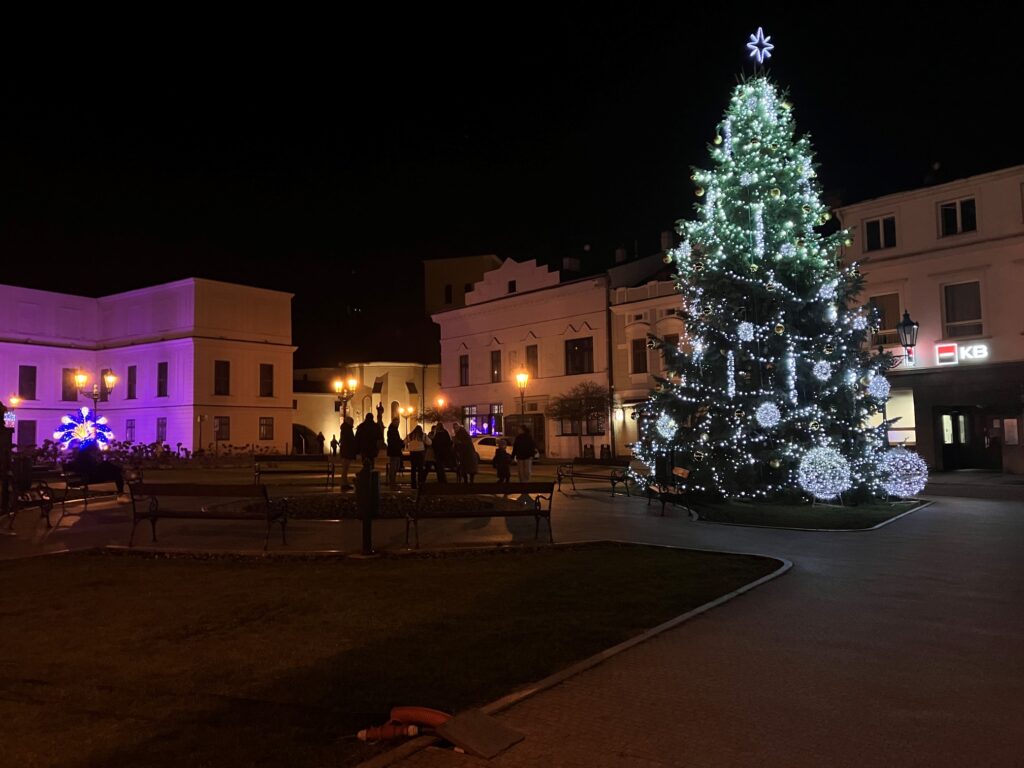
pixel 80 429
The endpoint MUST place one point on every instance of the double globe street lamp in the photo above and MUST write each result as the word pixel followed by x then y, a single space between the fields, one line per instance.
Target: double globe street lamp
pixel 95 394
pixel 522 379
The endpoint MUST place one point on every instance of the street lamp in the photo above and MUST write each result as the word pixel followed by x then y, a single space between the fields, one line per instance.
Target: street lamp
pixel 406 411
pixel 907 330
pixel 345 389
pixel 94 394
pixel 522 379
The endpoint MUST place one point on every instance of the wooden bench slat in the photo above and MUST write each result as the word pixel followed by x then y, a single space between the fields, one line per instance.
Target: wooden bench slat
pixel 197 490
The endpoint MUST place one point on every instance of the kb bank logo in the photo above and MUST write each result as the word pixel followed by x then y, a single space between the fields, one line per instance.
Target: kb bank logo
pixel 954 354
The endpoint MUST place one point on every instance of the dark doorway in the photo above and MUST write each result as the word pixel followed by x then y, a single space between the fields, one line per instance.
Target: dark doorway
pixel 26 435
pixel 964 441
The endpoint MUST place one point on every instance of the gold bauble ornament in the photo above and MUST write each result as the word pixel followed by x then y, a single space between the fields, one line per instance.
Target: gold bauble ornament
pixel 847 242
pixel 864 381
pixel 704 435
pixel 753 267
pixel 698 455
pixel 830 348
pixel 826 216
pixel 799 242
pixel 737 414
pixel 780 328
pixel 806 209
pixel 718 139
pixel 815 425
pixel 775 463
pixel 776 192
pixel 651 344
pixel 667 258
pixel 699 191
pixel 706 311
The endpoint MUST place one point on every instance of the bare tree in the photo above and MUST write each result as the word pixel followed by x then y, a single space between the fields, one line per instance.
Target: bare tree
pixel 583 403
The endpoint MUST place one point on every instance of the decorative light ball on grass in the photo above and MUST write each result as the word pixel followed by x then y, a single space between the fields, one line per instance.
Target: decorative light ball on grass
pixel 666 426
pixel 824 473
pixel 767 415
pixel 879 387
pixel 904 473
pixel 745 331
pixel 822 370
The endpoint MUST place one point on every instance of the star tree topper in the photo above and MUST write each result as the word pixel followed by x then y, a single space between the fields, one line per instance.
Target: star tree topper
pixel 760 47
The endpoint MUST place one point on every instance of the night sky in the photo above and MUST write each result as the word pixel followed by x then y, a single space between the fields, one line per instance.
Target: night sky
pixel 329 156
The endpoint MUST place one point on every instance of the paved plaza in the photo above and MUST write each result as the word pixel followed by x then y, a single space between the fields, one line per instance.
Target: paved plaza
pixel 902 646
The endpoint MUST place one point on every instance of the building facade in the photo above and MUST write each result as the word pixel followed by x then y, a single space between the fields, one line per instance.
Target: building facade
pixel 953 257
pixel 199 363
pixel 526 317
pixel 447 281
pixel 396 386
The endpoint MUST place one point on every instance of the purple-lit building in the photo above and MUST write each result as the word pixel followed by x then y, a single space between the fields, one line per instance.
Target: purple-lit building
pixel 198 362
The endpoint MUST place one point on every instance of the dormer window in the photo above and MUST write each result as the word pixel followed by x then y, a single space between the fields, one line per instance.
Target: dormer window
pixel 880 233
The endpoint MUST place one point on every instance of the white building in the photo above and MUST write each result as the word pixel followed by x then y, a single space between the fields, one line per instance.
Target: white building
pixel 396 386
pixel 522 316
pixel 197 361
pixel 953 256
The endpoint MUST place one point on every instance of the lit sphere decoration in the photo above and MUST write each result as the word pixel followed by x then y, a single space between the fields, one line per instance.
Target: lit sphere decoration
pixel 822 370
pixel 745 331
pixel 860 323
pixel 904 473
pixel 878 388
pixel 831 313
pixel 767 415
pixel 666 426
pixel 81 429
pixel 824 473
pixel 828 290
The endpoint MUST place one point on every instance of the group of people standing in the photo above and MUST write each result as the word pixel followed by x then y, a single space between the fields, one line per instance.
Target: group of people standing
pixel 434 451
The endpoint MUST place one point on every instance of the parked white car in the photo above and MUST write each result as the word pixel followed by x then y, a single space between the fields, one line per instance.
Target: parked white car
pixel 486 446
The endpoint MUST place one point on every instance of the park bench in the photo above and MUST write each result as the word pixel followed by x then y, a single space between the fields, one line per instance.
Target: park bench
pixel 496 506
pixel 615 476
pixel 288 467
pixel 73 481
pixel 672 490
pixel 150 502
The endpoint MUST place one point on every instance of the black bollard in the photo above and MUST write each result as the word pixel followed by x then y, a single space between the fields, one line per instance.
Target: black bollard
pixel 368 503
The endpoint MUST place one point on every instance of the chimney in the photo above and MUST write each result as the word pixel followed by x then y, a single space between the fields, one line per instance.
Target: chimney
pixel 666 240
pixel 570 264
pixel 620 255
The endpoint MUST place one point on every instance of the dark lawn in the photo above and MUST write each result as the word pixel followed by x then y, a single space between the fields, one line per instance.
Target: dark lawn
pixel 120 659
pixel 802 515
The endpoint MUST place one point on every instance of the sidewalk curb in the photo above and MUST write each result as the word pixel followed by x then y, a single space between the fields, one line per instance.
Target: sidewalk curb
pixel 393 756
pixel 923 503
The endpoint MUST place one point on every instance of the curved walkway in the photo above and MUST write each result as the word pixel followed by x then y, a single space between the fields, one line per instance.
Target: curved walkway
pixel 897 647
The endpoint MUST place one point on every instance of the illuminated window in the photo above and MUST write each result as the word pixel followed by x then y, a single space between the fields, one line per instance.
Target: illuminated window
pixel 962 308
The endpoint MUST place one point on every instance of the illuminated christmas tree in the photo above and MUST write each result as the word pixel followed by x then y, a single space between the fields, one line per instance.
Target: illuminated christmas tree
pixel 775 389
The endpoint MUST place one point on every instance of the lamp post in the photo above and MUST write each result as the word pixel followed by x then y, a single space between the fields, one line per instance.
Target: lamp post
pixel 406 411
pixel 907 330
pixel 522 379
pixel 344 390
pixel 439 402
pixel 94 394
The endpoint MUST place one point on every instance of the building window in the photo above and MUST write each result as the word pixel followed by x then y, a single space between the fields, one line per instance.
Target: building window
pixel 266 380
pixel 511 286
pixel 104 392
pixel 880 233
pixel 671 342
pixel 161 429
pixel 68 390
pixel 161 379
pixel 26 434
pixel 579 356
pixel 222 377
pixel 221 427
pixel 532 361
pixel 495 366
pixel 638 361
pixel 129 430
pixel 962 308
pixel 27 382
pixel 266 427
pixel 463 370
pixel 132 382
pixel 497 417
pixel 469 419
pixel 448 292
pixel 958 216
pixel 888 306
